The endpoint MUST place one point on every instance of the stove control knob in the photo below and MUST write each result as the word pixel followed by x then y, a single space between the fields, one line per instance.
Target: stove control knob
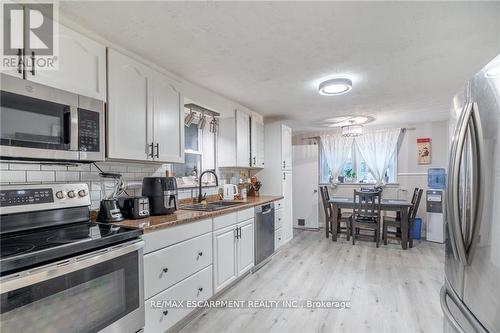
pixel 60 195
pixel 82 193
pixel 71 194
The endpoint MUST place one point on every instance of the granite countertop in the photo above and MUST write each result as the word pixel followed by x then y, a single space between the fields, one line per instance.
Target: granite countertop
pixel 181 216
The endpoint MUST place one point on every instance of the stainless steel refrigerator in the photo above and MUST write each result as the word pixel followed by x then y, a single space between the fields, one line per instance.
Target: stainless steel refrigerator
pixel 470 297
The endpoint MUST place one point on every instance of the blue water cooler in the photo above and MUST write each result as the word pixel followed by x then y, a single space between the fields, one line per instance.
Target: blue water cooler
pixel 435 204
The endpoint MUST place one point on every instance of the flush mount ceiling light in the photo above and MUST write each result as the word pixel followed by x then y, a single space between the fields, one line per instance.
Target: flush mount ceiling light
pixel 335 86
pixel 352 130
pixel 493 72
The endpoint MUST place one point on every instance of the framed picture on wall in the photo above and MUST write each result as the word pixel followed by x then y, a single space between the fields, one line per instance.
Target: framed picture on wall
pixel 424 152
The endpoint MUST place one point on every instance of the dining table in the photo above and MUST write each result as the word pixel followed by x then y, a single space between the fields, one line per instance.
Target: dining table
pixel 395 205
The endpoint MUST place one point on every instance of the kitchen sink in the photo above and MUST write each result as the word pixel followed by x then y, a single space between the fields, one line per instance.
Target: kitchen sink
pixel 211 206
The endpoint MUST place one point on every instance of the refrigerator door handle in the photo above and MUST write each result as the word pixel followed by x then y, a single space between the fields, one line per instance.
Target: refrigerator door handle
pixel 471 320
pixel 478 179
pixel 453 212
pixel 447 313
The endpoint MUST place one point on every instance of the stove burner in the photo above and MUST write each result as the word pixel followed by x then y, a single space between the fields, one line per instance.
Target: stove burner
pixel 12 249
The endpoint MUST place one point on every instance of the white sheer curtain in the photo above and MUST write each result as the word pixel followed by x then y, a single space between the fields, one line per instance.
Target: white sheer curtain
pixel 336 149
pixel 377 148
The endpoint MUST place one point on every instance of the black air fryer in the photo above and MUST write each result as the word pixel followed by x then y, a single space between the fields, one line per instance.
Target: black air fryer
pixel 162 194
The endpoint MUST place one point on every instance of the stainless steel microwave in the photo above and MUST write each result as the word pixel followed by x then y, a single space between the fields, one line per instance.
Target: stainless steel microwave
pixel 41 122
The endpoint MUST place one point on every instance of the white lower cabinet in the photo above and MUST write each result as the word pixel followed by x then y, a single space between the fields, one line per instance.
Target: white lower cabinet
pixel 160 317
pixel 277 239
pixel 167 266
pixel 225 257
pixel 233 252
pixel 245 246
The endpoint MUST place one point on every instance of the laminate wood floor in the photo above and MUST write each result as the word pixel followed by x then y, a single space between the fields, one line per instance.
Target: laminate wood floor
pixel 390 290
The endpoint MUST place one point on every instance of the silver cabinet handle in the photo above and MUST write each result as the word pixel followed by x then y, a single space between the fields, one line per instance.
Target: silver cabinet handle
pixel 199 255
pixel 19 61
pixel 151 147
pixel 157 150
pixel 164 270
pixel 33 63
pixel 200 290
pixel 165 312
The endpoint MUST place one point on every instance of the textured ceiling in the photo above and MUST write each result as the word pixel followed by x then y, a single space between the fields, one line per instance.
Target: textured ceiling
pixel 406 59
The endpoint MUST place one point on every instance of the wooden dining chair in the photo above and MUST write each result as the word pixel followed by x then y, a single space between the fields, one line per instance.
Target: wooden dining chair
pixel 366 214
pixel 342 218
pixel 391 222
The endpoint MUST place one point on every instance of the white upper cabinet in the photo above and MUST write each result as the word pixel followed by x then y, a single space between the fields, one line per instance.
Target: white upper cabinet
pixel 242 139
pixel 286 147
pixel 81 66
pixel 127 114
pixel 168 125
pixel 144 117
pixel 257 142
pixel 234 140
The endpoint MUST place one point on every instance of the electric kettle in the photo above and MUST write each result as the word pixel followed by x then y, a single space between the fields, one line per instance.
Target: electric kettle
pixel 230 191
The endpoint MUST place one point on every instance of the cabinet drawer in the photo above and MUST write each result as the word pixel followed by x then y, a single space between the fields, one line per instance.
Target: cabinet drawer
pixel 156 240
pixel 225 220
pixel 245 214
pixel 278 204
pixel 197 287
pixel 278 219
pixel 170 265
pixel 278 239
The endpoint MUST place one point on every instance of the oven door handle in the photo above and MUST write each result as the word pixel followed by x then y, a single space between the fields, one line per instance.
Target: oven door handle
pixel 33 276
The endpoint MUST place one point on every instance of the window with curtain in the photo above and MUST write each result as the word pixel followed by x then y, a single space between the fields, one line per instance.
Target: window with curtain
pixel 355 169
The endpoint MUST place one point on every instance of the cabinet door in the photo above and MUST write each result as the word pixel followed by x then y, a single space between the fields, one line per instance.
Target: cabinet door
pixel 225 270
pixel 242 139
pixel 246 246
pixel 168 125
pixel 286 147
pixel 287 222
pixel 81 66
pixel 257 143
pixel 127 117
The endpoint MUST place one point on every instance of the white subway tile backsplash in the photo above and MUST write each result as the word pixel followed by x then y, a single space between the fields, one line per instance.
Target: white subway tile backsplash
pixel 24 166
pixel 12 176
pixel 40 176
pixel 4 166
pixel 86 176
pixel 67 176
pixel 80 167
pixel 54 167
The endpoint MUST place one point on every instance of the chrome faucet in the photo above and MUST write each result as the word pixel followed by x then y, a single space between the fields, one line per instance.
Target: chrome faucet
pixel 200 196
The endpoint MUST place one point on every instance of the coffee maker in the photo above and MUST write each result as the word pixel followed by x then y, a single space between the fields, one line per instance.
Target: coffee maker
pixel 162 194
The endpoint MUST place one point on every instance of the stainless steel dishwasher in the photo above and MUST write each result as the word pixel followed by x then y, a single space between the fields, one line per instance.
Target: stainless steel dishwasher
pixel 264 234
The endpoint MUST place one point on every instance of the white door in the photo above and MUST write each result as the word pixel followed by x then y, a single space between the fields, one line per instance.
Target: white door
pixel 287 191
pixel 242 139
pixel 305 186
pixel 127 124
pixel 81 66
pixel 286 147
pixel 246 246
pixel 168 124
pixel 225 270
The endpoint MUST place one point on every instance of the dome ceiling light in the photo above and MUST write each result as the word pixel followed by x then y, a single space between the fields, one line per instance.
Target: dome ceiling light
pixel 336 86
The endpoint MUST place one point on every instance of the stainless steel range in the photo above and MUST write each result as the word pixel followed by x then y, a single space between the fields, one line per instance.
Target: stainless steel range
pixel 59 271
